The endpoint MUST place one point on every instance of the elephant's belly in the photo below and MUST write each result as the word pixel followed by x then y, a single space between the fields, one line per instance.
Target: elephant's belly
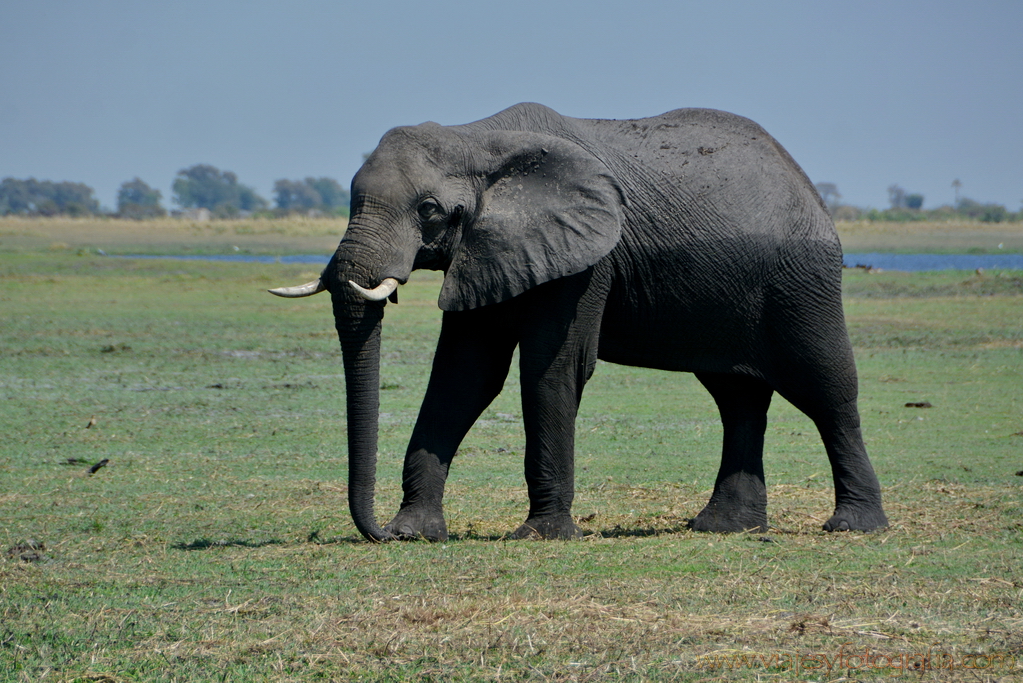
pixel 698 307
pixel 695 341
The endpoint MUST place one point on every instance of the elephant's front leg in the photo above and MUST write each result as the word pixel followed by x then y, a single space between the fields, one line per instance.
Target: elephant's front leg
pixel 469 369
pixel 558 352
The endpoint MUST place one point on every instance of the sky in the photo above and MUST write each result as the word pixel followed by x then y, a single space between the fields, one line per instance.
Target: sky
pixel 863 94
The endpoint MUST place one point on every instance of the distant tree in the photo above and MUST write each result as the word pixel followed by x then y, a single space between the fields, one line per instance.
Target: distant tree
pixel 896 197
pixel 995 213
pixel 206 187
pixel 137 200
pixel 14 196
pixel 293 195
pixel 986 213
pixel 72 199
pixel 333 195
pixel 249 199
pixel 969 208
pixel 46 198
pixel 914 201
pixel 829 193
pixel 847 213
pixel 323 194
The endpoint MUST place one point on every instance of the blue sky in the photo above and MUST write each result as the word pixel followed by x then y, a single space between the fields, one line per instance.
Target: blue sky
pixel 863 94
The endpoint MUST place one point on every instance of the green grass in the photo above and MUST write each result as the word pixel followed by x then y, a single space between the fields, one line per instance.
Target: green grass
pixel 216 543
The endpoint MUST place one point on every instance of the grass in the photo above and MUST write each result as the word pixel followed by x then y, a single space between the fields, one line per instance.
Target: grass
pixel 275 237
pixel 216 545
pixel 931 238
pixel 296 235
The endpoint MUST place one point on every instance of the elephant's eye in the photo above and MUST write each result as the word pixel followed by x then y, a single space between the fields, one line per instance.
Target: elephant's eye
pixel 430 210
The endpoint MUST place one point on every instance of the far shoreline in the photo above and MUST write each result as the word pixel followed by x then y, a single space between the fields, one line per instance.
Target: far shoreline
pixel 292 235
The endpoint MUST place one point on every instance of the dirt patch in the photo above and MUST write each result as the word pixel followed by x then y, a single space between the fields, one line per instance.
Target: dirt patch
pixel 27 551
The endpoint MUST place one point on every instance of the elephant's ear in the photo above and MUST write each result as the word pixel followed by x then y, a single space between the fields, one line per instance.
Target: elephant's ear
pixel 548 209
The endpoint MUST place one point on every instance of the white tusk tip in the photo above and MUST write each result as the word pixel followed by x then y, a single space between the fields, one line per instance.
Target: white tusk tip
pixel 308 289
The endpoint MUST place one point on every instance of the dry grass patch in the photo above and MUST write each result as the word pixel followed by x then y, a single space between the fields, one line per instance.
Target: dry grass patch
pixel 923 237
pixel 273 236
pixel 669 605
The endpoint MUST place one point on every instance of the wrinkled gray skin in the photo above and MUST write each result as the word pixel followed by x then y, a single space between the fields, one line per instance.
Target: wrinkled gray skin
pixel 689 241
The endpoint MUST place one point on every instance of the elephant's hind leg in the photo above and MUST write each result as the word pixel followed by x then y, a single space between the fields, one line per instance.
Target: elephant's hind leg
pixel 857 491
pixel 833 409
pixel 739 501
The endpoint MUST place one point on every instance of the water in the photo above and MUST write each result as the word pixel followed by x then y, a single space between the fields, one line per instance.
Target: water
pixel 905 262
pixel 238 258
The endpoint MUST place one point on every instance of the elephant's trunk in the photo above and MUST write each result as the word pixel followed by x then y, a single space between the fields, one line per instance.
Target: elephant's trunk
pixel 358 326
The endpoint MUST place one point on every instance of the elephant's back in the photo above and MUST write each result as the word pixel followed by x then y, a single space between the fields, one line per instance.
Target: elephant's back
pixel 682 138
pixel 677 133
pixel 713 162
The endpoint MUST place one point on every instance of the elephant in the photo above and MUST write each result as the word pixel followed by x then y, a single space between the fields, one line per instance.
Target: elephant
pixel 689 241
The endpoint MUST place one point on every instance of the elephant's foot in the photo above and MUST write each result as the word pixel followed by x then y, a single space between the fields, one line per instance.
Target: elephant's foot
pixel 549 527
pixel 857 518
pixel 418 523
pixel 727 517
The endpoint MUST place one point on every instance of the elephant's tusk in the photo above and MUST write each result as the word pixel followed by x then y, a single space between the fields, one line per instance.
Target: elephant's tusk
pixel 308 289
pixel 378 293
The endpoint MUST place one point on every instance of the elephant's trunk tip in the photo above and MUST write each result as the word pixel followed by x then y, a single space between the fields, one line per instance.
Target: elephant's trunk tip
pixel 361 508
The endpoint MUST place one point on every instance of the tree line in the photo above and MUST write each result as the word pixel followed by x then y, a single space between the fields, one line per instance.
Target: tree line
pixel 908 206
pixel 197 187
pixel 45 198
pixel 206 187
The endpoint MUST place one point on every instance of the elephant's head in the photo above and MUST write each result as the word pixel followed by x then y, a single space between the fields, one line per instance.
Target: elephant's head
pixel 499 211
